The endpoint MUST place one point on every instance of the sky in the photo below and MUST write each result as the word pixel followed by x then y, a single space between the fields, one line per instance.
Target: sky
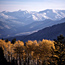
pixel 31 5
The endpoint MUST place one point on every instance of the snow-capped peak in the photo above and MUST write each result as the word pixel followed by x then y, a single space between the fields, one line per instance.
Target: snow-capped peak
pixel 36 16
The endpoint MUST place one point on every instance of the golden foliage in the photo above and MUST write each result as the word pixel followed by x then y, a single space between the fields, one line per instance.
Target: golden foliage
pixel 33 49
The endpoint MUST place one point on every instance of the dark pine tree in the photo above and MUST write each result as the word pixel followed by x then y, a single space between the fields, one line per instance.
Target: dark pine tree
pixel 14 40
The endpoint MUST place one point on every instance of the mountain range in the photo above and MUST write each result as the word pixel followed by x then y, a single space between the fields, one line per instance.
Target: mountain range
pixel 49 33
pixel 24 23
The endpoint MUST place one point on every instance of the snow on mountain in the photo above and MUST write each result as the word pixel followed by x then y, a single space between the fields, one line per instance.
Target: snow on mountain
pixel 54 14
pixel 25 16
pixel 48 14
pixel 34 17
pixel 40 17
pixel 2 15
pixel 24 21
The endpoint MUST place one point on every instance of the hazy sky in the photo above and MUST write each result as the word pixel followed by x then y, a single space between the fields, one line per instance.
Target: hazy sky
pixel 31 5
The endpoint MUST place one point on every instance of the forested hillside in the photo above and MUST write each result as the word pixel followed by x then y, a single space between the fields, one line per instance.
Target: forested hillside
pixel 46 33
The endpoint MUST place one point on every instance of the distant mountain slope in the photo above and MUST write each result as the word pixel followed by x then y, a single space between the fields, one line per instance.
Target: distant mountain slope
pixel 46 33
pixel 37 25
pixel 24 22
pixel 28 17
pixel 7 30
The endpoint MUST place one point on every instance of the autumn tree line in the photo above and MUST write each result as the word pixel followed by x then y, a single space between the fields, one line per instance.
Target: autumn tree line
pixel 45 52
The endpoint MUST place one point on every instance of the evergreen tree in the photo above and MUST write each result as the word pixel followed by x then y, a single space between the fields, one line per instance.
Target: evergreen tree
pixel 58 54
pixel 6 40
pixel 14 40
